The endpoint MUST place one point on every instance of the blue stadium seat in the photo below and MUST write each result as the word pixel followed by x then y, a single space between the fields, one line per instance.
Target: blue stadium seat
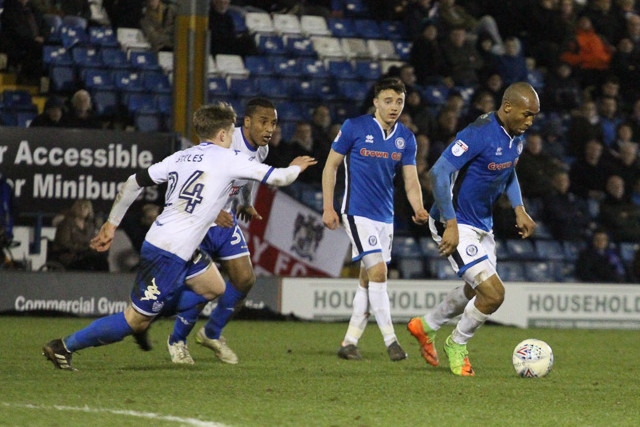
pixel 73 36
pixel 258 65
pixel 105 103
pixel 243 88
pixel 501 250
pixel 271 87
pixel 148 121
pixel 342 27
pixel 17 99
pixel 24 118
pixel 403 49
pixel 354 8
pixel 63 79
pixel 98 79
pixel 521 249
pixel 341 69
pixel 270 44
pixel 290 111
pixel 141 102
pixel 628 251
pixel 74 21
pixel 144 60
pixel 344 111
pixel 327 91
pixel 156 82
pixel 298 46
pixel 405 246
pixel 511 271
pixel 435 95
pixel 429 247
pixel 54 54
pixel 368 70
pixel 540 272
pixel 303 89
pixel 368 29
pixel 549 249
pixel 115 58
pixel 353 90
pixel 54 22
pixel 164 104
pixel 8 118
pixel 572 249
pixel 217 87
pixel 103 36
pixel 443 270
pixel 127 82
pixel 286 67
pixel 393 30
pixel 314 68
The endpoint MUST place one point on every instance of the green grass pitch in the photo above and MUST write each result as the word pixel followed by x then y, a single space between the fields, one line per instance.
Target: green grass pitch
pixel 289 375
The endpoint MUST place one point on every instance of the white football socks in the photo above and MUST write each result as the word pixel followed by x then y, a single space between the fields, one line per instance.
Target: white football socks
pixel 469 323
pixel 452 305
pixel 359 317
pixel 381 308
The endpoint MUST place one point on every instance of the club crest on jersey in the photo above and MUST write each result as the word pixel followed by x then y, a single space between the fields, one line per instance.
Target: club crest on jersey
pixel 472 250
pixel 307 235
pixel 520 147
pixel 368 139
pixel 400 143
pixel 499 151
pixel 373 240
pixel 459 148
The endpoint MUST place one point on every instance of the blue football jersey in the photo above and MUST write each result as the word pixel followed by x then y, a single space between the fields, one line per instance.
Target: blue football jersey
pixel 485 156
pixel 371 161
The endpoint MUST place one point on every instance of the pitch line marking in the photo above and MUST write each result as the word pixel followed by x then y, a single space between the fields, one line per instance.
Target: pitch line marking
pixel 150 415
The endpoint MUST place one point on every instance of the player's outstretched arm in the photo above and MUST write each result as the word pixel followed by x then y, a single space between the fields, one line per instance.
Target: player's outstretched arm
pixel 303 162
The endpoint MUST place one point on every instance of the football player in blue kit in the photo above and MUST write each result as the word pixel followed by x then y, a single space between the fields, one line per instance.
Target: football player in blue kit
pixel 373 147
pixel 199 180
pixel 468 178
pixel 226 244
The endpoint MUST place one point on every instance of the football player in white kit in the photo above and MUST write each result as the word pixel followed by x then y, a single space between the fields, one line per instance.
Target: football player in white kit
pixel 199 180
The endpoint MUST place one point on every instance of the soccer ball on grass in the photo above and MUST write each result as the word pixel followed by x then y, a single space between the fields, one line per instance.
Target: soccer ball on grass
pixel 532 358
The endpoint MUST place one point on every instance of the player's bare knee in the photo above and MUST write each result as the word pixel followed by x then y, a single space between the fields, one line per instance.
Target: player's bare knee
pixel 375 266
pixel 243 281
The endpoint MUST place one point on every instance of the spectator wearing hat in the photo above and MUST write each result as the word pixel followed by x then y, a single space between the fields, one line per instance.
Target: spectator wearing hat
pixel 52 116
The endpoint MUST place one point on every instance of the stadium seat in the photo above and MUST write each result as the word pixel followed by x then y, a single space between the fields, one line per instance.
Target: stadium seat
pixel 290 111
pixel 521 249
pixel 312 25
pixel 231 65
pixel 75 21
pixel 127 81
pixel 259 22
pixel 115 59
pixel 86 58
pixel 511 271
pixel 314 68
pixel 355 48
pixel 328 47
pixel 355 8
pixel 73 36
pixel 62 79
pixel 382 49
pixel 405 246
pixel 342 27
pixel 411 268
pixel 98 79
pixel 393 30
pixel 368 29
pixel 156 82
pixel 298 46
pixel 103 36
pixel 429 247
pixel 271 87
pixel 549 249
pixel 17 99
pixel 286 67
pixel 435 95
pixel 165 61
pixel 148 121
pixel 353 90
pixel 141 102
pixel 501 250
pixel 628 251
pixel 237 14
pixel 243 87
pixel 217 87
pixel 132 38
pixel 542 231
pixel 443 270
pixel 53 22
pixel 327 91
pixel 340 69
pixel 8 118
pixel 105 103
pixel 572 249
pixel 258 65
pixel 144 60
pixel 286 23
pixel 368 70
pixel 302 89
pixel 55 54
pixel 164 104
pixel 403 49
pixel 24 118
pixel 270 44
pixel 539 272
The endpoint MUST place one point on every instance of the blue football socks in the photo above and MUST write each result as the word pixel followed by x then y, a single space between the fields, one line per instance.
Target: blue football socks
pixel 105 330
pixel 189 307
pixel 221 315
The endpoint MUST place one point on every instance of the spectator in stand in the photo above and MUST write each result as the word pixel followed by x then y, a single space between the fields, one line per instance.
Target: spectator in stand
pixel 535 76
pixel 158 24
pixel 73 235
pixel 135 224
pixel 426 56
pixel 417 13
pixel 79 8
pixel 452 15
pixel 224 36
pixel 124 13
pixel 610 119
pixel 632 27
pixel 569 13
pixel 447 126
pixel 512 64
pixel 320 125
pixel 302 144
pixel 82 115
pixel 624 135
pixel 23 32
pixel 544 32
pixel 589 173
pixel 52 116
pixel 482 102
pixel 625 64
pixel 491 81
pixel 627 165
pixel 584 126
pixel 278 156
pixel 588 53
pixel 634 120
pixel 535 167
pixel 562 92
pixel 462 60
pixel 417 108
pixel 618 214
pixel 600 262
pixel 566 214
pixel 607 18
